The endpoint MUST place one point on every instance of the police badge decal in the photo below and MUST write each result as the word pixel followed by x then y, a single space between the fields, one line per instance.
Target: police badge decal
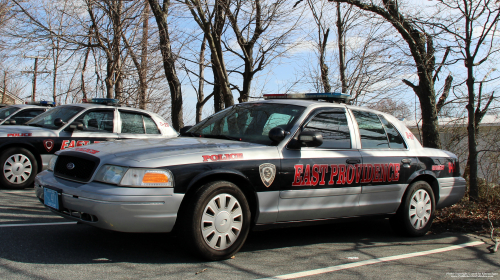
pixel 267 173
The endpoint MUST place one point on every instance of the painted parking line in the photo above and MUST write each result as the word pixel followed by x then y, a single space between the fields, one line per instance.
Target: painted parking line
pixel 38 224
pixel 373 261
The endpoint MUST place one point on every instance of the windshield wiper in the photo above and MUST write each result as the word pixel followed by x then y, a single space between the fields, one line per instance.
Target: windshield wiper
pixel 221 136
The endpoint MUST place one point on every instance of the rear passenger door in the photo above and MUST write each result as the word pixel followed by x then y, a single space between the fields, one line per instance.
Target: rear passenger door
pixel 320 182
pixel 386 164
pixel 135 125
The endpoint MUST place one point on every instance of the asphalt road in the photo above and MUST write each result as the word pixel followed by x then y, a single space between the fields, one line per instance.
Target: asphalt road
pixel 36 244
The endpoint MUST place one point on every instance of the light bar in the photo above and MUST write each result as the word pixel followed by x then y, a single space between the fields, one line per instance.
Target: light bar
pixel 104 101
pixel 329 96
pixel 41 103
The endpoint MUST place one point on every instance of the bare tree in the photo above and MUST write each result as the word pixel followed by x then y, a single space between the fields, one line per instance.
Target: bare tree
pixel 262 30
pixel 210 17
pixel 421 46
pixel 161 15
pixel 474 32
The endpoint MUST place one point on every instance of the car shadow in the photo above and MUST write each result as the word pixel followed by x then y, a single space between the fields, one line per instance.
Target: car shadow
pixel 81 244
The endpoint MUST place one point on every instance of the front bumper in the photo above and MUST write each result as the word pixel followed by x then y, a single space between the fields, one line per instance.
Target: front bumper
pixel 111 207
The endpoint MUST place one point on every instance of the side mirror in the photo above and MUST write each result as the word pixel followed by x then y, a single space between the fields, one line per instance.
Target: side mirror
pixel 185 129
pixel 277 134
pixel 310 139
pixel 75 126
pixel 58 122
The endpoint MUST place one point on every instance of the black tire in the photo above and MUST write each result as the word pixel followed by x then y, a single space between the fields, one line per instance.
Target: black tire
pixel 19 168
pixel 414 218
pixel 225 227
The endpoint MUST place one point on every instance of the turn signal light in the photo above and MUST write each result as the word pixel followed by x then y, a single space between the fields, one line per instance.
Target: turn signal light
pixel 154 178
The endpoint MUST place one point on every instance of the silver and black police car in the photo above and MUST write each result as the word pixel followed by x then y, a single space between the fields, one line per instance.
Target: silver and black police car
pixel 257 164
pixel 26 150
pixel 19 114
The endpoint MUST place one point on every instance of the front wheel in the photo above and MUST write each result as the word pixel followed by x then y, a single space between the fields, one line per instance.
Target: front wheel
pixel 217 225
pixel 416 212
pixel 19 168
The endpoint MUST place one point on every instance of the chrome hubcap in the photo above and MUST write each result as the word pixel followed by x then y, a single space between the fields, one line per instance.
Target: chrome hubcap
pixel 420 209
pixel 222 221
pixel 17 169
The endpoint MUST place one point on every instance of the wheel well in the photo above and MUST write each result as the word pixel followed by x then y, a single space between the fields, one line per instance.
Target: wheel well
pixel 32 150
pixel 240 182
pixel 431 181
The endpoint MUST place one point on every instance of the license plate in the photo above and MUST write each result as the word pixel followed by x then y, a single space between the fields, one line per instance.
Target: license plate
pixel 51 198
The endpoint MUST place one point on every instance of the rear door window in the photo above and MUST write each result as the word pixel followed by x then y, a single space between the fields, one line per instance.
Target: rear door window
pixel 371 130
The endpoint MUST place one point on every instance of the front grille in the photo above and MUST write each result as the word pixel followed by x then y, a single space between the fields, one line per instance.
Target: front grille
pixel 83 166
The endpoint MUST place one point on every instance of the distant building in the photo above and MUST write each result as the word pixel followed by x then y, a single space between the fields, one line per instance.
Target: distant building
pixel 9 98
pixel 454 138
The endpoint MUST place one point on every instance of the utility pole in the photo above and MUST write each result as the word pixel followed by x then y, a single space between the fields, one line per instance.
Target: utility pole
pixel 35 72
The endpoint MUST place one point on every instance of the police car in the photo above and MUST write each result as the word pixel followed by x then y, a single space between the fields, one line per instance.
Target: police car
pixel 19 114
pixel 257 164
pixel 26 150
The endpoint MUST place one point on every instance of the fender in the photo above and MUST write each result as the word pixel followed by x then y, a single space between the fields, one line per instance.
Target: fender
pixel 203 175
pixel 420 173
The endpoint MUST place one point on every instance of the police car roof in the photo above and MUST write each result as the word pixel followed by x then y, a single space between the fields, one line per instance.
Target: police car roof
pixel 314 103
pixel 300 102
pixel 22 106
pixel 97 105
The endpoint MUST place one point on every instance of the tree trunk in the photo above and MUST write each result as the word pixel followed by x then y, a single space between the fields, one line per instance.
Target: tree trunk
pixel 143 85
pixel 341 45
pixel 174 84
pixel 472 133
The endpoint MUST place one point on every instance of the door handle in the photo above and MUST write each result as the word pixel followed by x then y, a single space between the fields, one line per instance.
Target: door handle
pixel 353 161
pixel 406 162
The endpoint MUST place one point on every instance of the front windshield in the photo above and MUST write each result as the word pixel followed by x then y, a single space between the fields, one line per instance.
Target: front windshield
pixel 7 111
pixel 250 122
pixel 46 120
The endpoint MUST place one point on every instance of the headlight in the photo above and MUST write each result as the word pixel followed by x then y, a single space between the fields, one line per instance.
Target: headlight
pixel 52 163
pixel 136 177
pixel 110 174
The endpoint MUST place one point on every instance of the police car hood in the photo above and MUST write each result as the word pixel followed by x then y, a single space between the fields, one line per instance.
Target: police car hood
pixel 169 151
pixel 25 131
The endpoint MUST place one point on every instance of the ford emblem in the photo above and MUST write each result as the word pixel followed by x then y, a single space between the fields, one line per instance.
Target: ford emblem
pixel 70 166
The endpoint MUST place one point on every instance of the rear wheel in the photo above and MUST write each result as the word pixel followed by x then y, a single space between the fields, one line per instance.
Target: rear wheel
pixel 19 168
pixel 217 225
pixel 416 213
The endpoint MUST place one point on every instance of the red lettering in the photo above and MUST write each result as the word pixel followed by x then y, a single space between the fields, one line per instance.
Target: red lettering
pixel 315 175
pixel 64 144
pixel 342 174
pixel 350 173
pixel 396 171
pixel 323 169
pixel 367 176
pixel 451 167
pixel 384 172
pixel 359 168
pixel 206 158
pixel 376 173
pixel 334 173
pixel 298 172
pixel 82 143
pixel 306 180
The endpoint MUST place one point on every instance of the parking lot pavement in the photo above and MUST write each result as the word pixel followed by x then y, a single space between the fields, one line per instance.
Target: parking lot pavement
pixel 36 244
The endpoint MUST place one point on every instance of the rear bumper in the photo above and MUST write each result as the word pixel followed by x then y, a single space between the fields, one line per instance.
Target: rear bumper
pixel 114 208
pixel 451 191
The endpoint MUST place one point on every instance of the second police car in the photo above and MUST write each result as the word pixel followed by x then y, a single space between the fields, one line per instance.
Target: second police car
pixel 27 149
pixel 19 114
pixel 256 164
